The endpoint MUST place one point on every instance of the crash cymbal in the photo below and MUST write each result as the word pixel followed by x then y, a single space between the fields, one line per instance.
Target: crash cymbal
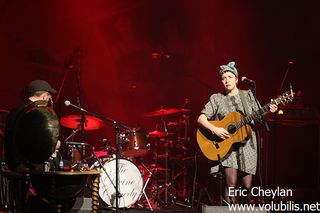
pixel 162 112
pixel 159 134
pixel 74 122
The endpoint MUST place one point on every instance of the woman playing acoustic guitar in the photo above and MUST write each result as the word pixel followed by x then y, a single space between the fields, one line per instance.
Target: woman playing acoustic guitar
pixel 241 156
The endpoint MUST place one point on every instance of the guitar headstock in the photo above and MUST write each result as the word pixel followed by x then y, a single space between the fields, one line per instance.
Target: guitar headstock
pixel 285 98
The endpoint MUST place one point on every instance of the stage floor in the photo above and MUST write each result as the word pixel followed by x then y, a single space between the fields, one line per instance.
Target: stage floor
pixel 171 209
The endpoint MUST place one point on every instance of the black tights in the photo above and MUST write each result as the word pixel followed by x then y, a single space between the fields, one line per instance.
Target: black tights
pixel 231 181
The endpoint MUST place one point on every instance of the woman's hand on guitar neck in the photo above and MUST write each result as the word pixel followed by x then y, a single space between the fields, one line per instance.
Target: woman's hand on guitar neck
pixel 220 132
pixel 273 107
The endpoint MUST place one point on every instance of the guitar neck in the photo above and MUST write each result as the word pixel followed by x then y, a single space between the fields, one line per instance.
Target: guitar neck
pixel 283 99
pixel 254 116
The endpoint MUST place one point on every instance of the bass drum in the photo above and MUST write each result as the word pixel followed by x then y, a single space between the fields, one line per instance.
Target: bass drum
pixel 36 133
pixel 130 183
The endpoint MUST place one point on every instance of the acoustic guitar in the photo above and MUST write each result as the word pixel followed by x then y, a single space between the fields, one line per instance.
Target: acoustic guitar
pixel 215 148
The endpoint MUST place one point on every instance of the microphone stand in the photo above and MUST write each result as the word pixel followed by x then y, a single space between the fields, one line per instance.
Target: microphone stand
pixel 101 166
pixel 61 85
pixel 79 100
pixel 284 78
pixel 67 69
pixel 116 127
pixel 259 135
pixel 263 120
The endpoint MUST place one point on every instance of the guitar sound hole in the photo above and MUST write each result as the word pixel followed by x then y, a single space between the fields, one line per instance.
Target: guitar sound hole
pixel 231 129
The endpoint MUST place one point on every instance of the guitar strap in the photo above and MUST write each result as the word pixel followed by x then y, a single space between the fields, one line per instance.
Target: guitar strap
pixel 244 102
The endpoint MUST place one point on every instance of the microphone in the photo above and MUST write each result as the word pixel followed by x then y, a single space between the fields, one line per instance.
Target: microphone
pixel 68 103
pixel 247 80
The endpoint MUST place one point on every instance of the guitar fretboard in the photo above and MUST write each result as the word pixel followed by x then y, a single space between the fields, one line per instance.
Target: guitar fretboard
pixel 283 99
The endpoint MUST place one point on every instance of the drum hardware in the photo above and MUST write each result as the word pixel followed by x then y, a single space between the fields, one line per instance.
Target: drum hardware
pixel 108 150
pixel 4 111
pixel 134 143
pixel 130 183
pixel 126 179
pixel 156 169
pixel 166 166
pixel 176 187
pixel 172 139
pixel 78 152
pixel 104 154
pixel 117 127
pixel 100 164
pixel 145 185
pixel 159 134
pixel 163 112
pixel 74 122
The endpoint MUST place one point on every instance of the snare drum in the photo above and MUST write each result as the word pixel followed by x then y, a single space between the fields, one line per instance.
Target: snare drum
pixel 130 183
pixel 136 144
pixel 77 151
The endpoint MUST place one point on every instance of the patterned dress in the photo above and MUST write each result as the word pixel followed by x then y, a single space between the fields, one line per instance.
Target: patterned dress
pixel 243 158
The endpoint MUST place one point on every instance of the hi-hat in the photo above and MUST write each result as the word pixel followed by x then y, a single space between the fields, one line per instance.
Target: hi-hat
pixel 74 122
pixel 158 134
pixel 162 112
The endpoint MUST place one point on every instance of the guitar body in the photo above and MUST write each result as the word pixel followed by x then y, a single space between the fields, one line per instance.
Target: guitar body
pixel 215 148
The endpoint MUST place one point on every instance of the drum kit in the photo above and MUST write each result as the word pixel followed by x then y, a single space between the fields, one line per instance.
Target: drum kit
pixel 151 170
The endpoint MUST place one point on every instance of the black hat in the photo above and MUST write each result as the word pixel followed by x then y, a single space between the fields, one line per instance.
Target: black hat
pixel 39 85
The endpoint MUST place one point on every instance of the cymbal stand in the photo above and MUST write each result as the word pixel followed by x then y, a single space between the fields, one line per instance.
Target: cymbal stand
pixel 166 161
pixel 71 135
pixel 184 122
pixel 156 165
pixel 145 185
pixel 185 139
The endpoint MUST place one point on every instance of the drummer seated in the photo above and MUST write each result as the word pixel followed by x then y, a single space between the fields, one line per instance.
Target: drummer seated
pixel 37 92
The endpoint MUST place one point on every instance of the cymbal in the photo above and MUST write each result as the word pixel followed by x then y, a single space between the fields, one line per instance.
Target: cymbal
pixel 102 154
pixel 162 112
pixel 74 122
pixel 4 111
pixel 159 134
pixel 155 167
pixel 159 169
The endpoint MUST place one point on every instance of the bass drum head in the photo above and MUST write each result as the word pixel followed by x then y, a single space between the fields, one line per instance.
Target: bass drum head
pixel 36 134
pixel 130 183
